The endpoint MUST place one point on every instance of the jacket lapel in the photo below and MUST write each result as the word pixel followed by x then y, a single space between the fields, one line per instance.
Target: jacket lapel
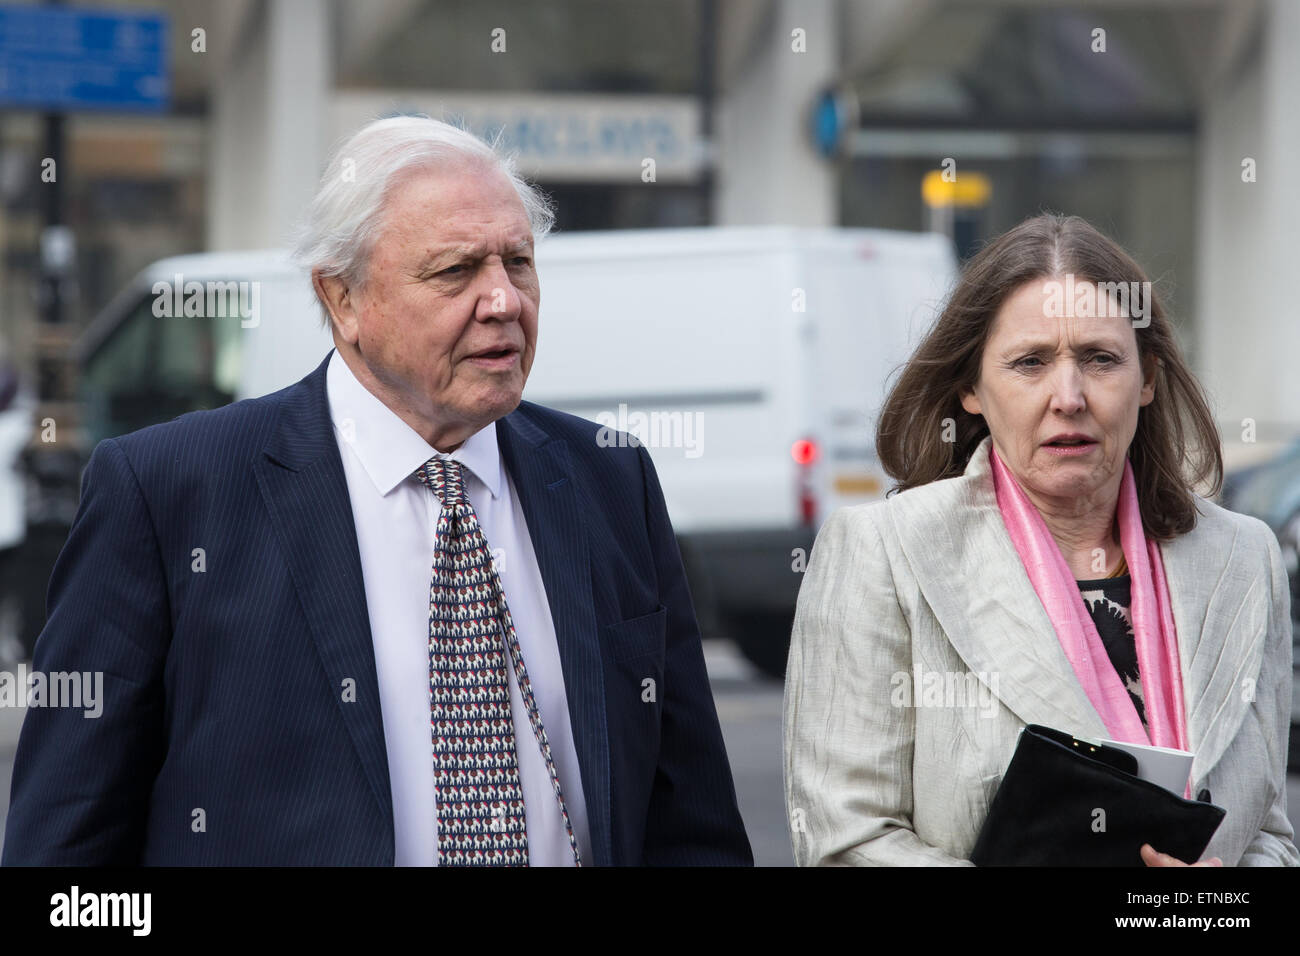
pixel 971 576
pixel 968 571
pixel 540 468
pixel 301 479
pixel 1220 607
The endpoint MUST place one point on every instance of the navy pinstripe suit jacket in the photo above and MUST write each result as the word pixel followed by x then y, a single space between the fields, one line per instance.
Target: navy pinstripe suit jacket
pixel 222 690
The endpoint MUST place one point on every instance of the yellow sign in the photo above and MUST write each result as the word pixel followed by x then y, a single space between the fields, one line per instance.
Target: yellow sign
pixel 968 189
pixel 857 485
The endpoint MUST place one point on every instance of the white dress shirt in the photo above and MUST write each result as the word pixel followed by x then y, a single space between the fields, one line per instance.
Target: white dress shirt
pixel 396 520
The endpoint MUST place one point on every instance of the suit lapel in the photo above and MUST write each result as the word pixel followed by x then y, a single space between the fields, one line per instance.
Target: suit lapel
pixel 543 478
pixel 972 578
pixel 969 573
pixel 1220 607
pixel 301 479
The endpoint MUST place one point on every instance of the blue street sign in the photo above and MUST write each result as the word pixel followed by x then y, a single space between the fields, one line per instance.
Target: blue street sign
pixel 58 58
pixel 834 117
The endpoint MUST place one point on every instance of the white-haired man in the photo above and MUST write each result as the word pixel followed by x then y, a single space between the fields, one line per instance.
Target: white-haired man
pixel 433 624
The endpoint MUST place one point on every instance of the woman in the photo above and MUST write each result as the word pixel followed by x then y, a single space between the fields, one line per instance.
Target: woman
pixel 1046 561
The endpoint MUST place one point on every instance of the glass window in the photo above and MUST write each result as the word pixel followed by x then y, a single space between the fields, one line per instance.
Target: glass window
pixel 151 369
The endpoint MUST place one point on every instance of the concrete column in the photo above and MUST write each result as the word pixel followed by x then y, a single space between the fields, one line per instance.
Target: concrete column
pixel 768 171
pixel 270 98
pixel 1248 315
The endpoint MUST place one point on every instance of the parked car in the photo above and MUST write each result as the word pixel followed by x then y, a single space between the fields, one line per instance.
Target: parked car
pixel 749 361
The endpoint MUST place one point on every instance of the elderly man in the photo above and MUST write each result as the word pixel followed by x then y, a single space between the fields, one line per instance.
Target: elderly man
pixel 387 615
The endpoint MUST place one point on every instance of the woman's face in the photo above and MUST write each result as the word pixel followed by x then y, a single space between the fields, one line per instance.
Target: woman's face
pixel 1048 379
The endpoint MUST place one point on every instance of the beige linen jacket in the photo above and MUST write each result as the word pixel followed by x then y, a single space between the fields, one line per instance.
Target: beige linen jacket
pixel 925 592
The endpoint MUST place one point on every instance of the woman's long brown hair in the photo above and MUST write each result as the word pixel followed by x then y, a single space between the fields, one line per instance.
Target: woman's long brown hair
pixel 924 435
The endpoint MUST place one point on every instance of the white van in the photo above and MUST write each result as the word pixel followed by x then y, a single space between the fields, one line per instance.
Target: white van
pixel 750 361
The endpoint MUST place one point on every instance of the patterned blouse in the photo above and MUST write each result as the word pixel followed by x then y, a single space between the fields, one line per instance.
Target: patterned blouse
pixel 1108 601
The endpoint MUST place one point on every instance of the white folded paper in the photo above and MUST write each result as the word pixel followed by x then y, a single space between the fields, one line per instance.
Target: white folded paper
pixel 1163 765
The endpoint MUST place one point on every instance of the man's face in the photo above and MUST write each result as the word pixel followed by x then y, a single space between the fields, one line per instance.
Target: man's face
pixel 446 321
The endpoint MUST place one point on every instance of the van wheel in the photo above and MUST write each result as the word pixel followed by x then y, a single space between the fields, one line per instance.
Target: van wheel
pixel 764 639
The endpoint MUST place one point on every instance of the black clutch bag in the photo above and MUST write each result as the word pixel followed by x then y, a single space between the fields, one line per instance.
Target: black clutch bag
pixel 1067 802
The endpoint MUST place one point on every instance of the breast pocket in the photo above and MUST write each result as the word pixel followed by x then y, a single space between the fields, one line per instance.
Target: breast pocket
pixel 638 637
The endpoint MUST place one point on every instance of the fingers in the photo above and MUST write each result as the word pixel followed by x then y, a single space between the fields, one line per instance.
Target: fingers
pixel 1152 857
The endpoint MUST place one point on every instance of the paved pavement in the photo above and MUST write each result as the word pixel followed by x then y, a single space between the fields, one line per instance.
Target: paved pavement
pixel 11 720
pixel 749 707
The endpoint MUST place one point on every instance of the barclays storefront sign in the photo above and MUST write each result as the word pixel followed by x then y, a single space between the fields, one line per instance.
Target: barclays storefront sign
pixel 558 137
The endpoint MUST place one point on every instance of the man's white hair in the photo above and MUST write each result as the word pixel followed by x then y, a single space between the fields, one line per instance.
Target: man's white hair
pixel 339 230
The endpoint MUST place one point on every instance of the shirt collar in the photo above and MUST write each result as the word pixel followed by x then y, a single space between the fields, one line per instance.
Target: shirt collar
pixel 389 449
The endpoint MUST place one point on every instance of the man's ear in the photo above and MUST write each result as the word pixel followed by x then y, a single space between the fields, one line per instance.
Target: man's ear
pixel 337 296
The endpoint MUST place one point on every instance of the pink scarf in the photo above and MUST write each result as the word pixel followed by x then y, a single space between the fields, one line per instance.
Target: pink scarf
pixel 1153 623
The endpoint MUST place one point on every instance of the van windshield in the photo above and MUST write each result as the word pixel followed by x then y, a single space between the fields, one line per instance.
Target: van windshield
pixel 150 369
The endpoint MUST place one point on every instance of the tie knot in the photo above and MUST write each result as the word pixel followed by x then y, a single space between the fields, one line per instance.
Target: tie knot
pixel 443 477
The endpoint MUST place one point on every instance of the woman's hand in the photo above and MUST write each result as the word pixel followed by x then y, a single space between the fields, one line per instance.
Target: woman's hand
pixel 1151 857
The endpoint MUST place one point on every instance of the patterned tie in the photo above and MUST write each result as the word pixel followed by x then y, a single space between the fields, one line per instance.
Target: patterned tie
pixel 477 790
